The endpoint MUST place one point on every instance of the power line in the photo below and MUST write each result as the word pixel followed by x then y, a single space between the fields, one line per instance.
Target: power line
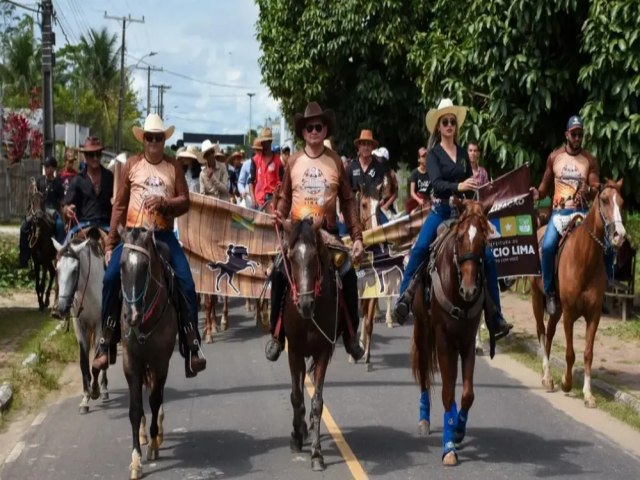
pixel 196 95
pixel 20 5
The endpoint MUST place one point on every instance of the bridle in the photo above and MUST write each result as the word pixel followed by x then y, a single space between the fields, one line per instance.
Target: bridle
pixel 609 226
pixel 70 253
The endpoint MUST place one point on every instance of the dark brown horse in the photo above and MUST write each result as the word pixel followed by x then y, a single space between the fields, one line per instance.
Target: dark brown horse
pixel 368 203
pixel 581 282
pixel 312 325
pixel 447 320
pixel 149 325
pixel 41 231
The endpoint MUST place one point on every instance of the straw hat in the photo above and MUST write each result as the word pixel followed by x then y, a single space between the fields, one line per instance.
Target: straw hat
pixel 366 136
pixel 314 110
pixel 153 123
pixel 257 144
pixel 207 146
pixel 445 107
pixel 92 144
pixel 265 135
pixel 219 154
pixel 190 152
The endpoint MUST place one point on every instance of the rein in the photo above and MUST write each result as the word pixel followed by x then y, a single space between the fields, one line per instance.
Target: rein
pixel 605 243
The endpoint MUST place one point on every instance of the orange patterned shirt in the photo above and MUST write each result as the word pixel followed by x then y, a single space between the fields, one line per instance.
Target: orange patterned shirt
pixel 148 180
pixel 315 183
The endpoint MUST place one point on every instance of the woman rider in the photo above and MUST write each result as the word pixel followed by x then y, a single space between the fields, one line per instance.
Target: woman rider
pixel 450 174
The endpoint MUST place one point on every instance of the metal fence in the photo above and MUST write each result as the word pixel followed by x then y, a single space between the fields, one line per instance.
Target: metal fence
pixel 14 185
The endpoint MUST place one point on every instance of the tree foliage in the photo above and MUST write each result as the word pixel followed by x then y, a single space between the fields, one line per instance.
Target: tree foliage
pixel 521 66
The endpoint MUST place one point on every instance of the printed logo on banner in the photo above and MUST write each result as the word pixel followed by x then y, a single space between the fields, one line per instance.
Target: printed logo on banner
pixel 508 227
pixel 236 262
pixel 524 224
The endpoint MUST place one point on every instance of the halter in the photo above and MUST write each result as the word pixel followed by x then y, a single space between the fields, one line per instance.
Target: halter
pixel 609 227
pixel 69 252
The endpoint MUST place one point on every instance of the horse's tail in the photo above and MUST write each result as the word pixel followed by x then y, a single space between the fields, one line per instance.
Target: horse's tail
pixel 423 351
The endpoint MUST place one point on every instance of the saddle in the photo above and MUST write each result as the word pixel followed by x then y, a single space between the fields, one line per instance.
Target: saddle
pixel 568 228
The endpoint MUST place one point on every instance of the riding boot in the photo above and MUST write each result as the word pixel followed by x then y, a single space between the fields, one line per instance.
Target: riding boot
pixel 194 360
pixel 551 304
pixel 107 347
pixel 402 309
pixel 500 326
pixel 275 344
pixel 350 335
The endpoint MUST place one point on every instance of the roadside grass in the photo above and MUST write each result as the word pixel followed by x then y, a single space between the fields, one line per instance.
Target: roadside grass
pixel 618 410
pixel 629 330
pixel 31 385
pixel 10 276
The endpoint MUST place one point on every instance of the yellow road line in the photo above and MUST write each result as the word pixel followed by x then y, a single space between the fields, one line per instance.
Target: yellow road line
pixel 332 427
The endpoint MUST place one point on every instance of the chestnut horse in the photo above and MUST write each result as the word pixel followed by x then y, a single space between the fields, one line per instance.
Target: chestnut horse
pixel 312 326
pixel 581 283
pixel 446 321
pixel 368 203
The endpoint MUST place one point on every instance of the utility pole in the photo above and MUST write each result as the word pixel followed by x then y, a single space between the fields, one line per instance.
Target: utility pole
pixel 48 60
pixel 161 89
pixel 150 69
pixel 250 95
pixel 124 21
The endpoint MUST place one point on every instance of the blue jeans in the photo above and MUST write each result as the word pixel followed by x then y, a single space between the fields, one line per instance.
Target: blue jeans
pixel 102 225
pixel 550 243
pixel 420 250
pixel 111 285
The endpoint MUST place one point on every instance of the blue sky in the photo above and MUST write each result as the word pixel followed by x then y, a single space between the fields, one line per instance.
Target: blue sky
pixel 210 40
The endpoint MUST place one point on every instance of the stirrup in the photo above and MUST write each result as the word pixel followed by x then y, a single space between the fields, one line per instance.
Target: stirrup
pixel 401 310
pixel 273 349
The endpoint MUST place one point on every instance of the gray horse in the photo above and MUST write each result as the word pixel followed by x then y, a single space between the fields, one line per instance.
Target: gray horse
pixel 149 327
pixel 80 270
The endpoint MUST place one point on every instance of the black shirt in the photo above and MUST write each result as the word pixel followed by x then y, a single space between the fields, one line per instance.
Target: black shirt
pixel 423 185
pixel 367 180
pixel 445 174
pixel 89 206
pixel 52 190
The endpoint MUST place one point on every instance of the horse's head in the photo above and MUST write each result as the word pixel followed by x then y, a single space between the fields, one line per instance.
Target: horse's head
pixel 136 262
pixel 68 273
pixel 36 198
pixel 304 257
pixel 610 203
pixel 471 236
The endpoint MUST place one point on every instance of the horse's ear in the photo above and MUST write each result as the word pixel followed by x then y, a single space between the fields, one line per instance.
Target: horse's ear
pixel 458 204
pixel 57 245
pixel 79 246
pixel 619 184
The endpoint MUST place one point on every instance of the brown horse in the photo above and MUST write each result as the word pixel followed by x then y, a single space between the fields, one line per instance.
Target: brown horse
pixel 149 325
pixel 368 203
pixel 41 231
pixel 446 322
pixel 312 325
pixel 210 322
pixel 581 282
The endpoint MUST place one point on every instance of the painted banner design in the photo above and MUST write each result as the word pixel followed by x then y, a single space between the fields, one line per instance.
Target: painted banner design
pixel 513 216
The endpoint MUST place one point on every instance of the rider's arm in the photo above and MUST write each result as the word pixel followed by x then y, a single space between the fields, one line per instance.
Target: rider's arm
pixel 72 196
pixel 120 205
pixel 179 204
pixel 546 185
pixel 348 202
pixel 283 205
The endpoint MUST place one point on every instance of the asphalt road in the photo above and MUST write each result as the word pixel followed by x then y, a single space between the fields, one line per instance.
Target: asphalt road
pixel 234 421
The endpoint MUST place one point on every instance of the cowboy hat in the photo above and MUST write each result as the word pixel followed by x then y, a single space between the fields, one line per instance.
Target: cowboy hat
pixel 92 144
pixel 381 152
pixel 257 144
pixel 314 110
pixel 153 123
pixel 219 154
pixel 327 144
pixel 366 136
pixel 207 146
pixel 265 135
pixel 237 153
pixel 445 107
pixel 120 158
pixel 190 152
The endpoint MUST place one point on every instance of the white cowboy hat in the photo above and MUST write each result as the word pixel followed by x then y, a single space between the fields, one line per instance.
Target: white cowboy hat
pixel 122 158
pixel 208 145
pixel 381 152
pixel 153 123
pixel 190 152
pixel 445 107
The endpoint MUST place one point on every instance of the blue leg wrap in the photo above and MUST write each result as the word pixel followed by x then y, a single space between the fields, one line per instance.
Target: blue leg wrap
pixel 425 406
pixel 461 428
pixel 448 430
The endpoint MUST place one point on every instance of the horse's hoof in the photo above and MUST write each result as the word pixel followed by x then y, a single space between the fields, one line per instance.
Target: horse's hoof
pixel 152 454
pixel 317 464
pixel 160 438
pixel 548 385
pixel 424 428
pixel 104 396
pixel 95 392
pixel 479 351
pixel 208 339
pixel 368 367
pixel 350 359
pixel 143 440
pixel 225 326
pixel 83 409
pixel 295 445
pixel 566 387
pixel 135 473
pixel 389 325
pixel 450 459
pixel 590 402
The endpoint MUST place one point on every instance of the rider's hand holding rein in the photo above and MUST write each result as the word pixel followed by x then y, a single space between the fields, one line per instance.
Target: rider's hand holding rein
pixel 357 251
pixel 468 184
pixel 154 203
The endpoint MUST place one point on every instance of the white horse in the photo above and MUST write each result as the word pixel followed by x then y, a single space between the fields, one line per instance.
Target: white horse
pixel 80 271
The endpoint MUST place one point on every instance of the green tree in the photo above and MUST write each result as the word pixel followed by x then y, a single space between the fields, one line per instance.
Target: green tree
pixel 20 66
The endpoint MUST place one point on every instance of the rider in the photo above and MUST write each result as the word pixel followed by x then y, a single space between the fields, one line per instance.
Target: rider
pixel 313 180
pixel 420 186
pixel 450 174
pixel 153 191
pixel 387 204
pixel 244 178
pixel 267 173
pixel 88 200
pixel 214 177
pixel 572 174
pixel 52 191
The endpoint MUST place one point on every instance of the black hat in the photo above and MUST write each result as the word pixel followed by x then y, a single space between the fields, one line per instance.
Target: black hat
pixel 51 162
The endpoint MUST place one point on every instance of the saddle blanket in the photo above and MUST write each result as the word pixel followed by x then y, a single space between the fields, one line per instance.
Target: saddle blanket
pixel 561 222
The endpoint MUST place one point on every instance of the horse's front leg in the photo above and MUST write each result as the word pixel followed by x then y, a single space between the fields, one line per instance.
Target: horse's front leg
pixel 448 361
pixel 52 275
pixel 545 336
pixel 155 402
pixel 368 328
pixel 84 370
pixel 135 417
pixel 570 354
pixel 592 319
pixel 468 366
pixel 317 405
pixel 224 322
pixel 297 369
pixel 39 285
pixel 209 318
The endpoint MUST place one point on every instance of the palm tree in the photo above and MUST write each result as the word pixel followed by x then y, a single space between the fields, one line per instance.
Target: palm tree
pixel 98 62
pixel 20 67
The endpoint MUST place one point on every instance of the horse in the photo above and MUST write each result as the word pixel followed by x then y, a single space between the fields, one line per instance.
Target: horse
pixel 447 319
pixel 79 273
pixel 41 231
pixel 312 325
pixel 581 281
pixel 149 325
pixel 368 206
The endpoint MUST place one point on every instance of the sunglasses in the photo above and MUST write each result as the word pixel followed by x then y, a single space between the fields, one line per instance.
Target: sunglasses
pixel 449 121
pixel 92 155
pixel 310 127
pixel 576 134
pixel 154 137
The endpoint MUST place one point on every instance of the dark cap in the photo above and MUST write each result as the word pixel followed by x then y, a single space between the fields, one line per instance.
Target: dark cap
pixel 51 162
pixel 574 122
